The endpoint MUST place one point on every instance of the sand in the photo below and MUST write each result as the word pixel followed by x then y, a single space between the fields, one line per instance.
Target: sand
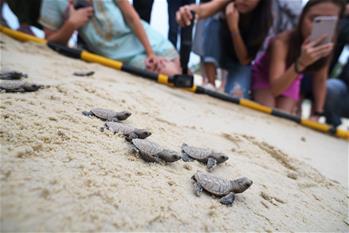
pixel 60 173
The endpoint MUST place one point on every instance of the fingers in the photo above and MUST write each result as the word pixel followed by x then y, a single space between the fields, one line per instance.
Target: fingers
pixel 318 41
pixel 151 63
pixel 88 11
pixel 71 5
pixel 322 51
pixel 184 16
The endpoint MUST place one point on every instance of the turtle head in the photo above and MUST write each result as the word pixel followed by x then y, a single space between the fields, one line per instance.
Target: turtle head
pixel 123 115
pixel 32 87
pixel 142 133
pixel 169 156
pixel 220 157
pixel 241 184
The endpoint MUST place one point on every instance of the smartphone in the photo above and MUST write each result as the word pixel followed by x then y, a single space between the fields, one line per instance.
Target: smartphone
pixel 324 25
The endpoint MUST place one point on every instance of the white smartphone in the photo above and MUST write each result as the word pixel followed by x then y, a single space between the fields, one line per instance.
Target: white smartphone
pixel 324 26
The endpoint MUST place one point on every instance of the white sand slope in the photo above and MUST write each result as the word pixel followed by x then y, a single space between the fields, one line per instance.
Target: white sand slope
pixel 60 173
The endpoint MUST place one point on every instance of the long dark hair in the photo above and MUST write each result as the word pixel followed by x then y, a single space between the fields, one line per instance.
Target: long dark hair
pixel 257 30
pixel 296 39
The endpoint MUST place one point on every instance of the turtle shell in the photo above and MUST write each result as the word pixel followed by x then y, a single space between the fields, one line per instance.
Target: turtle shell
pixel 117 127
pixel 146 146
pixel 103 113
pixel 213 184
pixel 196 152
pixel 17 85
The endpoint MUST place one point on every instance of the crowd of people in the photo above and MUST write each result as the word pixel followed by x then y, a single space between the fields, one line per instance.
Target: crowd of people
pixel 268 57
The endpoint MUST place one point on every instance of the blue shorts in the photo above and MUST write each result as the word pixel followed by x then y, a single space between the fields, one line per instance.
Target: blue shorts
pixel 218 49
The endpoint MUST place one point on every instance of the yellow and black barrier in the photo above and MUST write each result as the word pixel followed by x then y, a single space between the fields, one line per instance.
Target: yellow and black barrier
pixel 182 81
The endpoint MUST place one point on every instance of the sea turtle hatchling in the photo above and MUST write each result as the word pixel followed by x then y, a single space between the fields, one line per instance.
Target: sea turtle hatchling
pixel 219 187
pixel 18 86
pixel 12 75
pixel 152 152
pixel 204 155
pixel 107 114
pixel 128 131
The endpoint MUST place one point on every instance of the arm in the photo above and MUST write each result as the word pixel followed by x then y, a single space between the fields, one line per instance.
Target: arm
pixel 232 16
pixel 202 11
pixel 133 20
pixel 280 77
pixel 208 9
pixel 77 19
pixel 62 35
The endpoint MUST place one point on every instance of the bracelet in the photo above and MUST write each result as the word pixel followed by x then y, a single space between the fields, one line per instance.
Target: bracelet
pixel 297 68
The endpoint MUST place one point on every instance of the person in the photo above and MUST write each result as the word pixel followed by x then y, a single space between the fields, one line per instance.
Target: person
pixel 229 42
pixel 278 72
pixel 144 8
pixel 112 29
pixel 337 99
pixel 26 11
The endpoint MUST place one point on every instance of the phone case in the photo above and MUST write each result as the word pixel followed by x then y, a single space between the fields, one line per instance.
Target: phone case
pixel 324 25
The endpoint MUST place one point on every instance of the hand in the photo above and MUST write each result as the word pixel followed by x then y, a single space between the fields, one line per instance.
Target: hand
pixel 184 15
pixel 311 51
pixel 169 67
pixel 152 63
pixel 232 15
pixel 79 17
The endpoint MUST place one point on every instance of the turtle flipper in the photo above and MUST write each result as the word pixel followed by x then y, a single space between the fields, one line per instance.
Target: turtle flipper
pixel 197 189
pixel 149 158
pixel 115 119
pixel 228 199
pixel 186 157
pixel 87 113
pixel 211 163
pixel 130 136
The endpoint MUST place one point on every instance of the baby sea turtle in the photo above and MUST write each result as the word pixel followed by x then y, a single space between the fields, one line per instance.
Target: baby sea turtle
pixel 18 86
pixel 128 131
pixel 220 187
pixel 203 155
pixel 12 75
pixel 152 152
pixel 107 114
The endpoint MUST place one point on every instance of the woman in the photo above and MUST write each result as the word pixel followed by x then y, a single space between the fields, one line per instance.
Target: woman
pixel 277 74
pixel 112 29
pixel 233 38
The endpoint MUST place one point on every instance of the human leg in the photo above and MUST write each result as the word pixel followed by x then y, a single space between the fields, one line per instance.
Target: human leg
pixel 264 97
pixel 143 8
pixel 172 8
pixel 285 104
pixel 337 102
pixel 211 72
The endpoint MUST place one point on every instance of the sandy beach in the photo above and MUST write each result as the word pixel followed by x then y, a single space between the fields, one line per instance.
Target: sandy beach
pixel 60 173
